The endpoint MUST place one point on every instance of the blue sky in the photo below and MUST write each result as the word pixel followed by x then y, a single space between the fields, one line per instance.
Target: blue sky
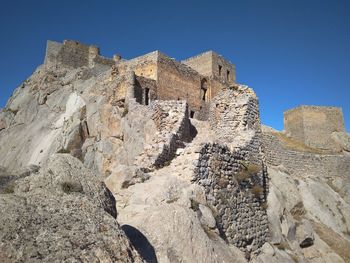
pixel 291 52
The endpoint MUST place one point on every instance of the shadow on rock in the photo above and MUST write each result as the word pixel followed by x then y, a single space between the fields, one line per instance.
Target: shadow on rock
pixel 141 244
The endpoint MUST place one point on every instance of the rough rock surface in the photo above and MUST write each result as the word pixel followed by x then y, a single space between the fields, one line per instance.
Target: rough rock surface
pixel 186 190
pixel 63 213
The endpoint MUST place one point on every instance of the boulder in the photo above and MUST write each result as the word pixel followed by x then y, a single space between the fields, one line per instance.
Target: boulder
pixel 63 213
pixel 304 233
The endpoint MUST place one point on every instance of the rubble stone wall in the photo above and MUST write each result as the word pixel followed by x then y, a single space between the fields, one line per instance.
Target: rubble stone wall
pixel 232 170
pixel 237 200
pixel 233 113
pixel 304 163
pixel 173 129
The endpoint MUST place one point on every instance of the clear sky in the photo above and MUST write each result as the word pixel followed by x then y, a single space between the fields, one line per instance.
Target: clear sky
pixel 291 52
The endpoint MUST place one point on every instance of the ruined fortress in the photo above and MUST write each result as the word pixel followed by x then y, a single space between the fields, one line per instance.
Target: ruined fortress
pixel 135 122
pixel 156 76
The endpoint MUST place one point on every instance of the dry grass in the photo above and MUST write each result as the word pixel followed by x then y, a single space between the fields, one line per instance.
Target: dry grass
pixel 249 169
pixel 194 205
pixel 71 187
pixel 335 241
pixel 264 205
pixel 257 190
pixel 283 245
pixel 294 257
pixel 298 211
pixel 125 111
pixel 8 189
pixel 297 146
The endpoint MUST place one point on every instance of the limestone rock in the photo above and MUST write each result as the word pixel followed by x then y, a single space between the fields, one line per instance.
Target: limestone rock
pixel 63 213
pixel 304 233
pixel 342 140
pixel 206 217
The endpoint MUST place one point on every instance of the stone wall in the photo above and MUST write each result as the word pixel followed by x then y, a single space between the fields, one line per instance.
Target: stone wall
pixel 313 125
pixel 74 54
pixel 232 169
pixel 145 90
pixel 144 66
pixel 234 115
pixel 211 64
pixel 174 80
pixel 223 69
pixel 177 81
pixel 237 194
pixel 173 129
pixel 202 63
pixel 304 163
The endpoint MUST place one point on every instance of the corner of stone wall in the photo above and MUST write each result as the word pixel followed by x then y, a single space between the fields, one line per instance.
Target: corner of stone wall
pixel 233 170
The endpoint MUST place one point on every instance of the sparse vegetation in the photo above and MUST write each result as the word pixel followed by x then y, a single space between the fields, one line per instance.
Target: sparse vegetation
pixel 283 245
pixel 297 146
pixel 298 211
pixel 210 233
pixel 194 205
pixel 249 169
pixel 167 163
pixel 63 150
pixel 8 189
pixel 257 190
pixel 71 187
pixel 12 111
pixel 294 257
pixel 264 205
pixel 126 111
pixel 173 200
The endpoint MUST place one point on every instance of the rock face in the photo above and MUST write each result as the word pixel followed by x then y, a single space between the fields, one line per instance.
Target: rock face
pixel 62 213
pixel 218 189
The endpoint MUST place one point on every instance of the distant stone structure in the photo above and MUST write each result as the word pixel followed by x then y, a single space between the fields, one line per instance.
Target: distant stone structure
pixel 314 125
pixel 156 76
pixel 196 80
pixel 74 54
pixel 314 142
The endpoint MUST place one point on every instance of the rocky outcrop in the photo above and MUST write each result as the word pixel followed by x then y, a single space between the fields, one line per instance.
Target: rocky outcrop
pixel 216 190
pixel 61 213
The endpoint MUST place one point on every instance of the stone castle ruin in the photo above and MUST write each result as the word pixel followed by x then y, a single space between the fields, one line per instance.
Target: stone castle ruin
pixel 313 125
pixel 314 142
pixel 176 141
pixel 156 76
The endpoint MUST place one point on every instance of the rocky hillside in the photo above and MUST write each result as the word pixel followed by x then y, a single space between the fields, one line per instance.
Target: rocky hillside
pixel 77 149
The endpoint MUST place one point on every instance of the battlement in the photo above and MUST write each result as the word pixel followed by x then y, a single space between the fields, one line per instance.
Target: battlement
pixel 74 54
pixel 314 125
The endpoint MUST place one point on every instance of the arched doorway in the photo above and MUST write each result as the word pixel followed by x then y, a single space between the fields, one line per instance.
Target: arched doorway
pixel 204 90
